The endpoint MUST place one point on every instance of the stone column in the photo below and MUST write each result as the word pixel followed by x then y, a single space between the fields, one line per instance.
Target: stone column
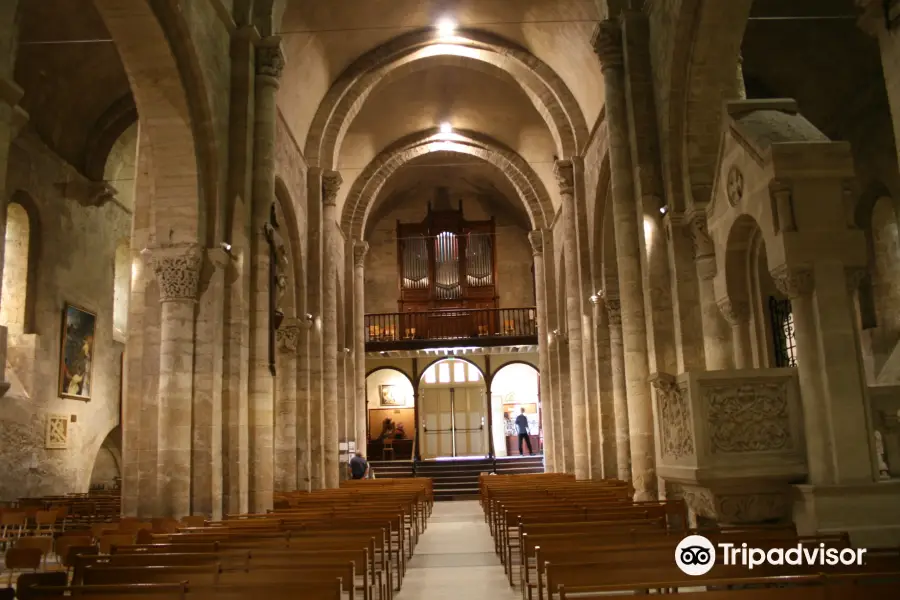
pixel 286 416
pixel 536 238
pixel 609 450
pixel 619 390
pixel 737 313
pixel 839 448
pixel 608 46
pixel 360 248
pixel 579 427
pixel 269 65
pixel 314 288
pixel 177 270
pixel 716 344
pixel 331 182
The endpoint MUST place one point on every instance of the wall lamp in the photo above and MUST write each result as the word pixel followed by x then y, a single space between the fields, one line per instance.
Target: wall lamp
pixel 226 247
pixel 308 320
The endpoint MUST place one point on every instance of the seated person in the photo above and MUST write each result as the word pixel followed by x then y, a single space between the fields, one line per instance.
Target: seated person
pixel 359 467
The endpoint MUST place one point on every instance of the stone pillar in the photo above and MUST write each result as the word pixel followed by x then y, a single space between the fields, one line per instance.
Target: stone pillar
pixel 360 248
pixel 314 305
pixel 536 238
pixel 608 46
pixel 609 464
pixel 286 337
pixel 740 87
pixel 619 390
pixel 269 65
pixel 717 348
pixel 331 182
pixel 839 444
pixel 303 436
pixel 579 426
pixel 737 313
pixel 177 270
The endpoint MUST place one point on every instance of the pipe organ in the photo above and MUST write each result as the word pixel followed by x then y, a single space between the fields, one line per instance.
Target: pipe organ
pixel 446 262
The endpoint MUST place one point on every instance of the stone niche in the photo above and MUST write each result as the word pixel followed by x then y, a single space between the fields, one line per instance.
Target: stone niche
pixel 732 441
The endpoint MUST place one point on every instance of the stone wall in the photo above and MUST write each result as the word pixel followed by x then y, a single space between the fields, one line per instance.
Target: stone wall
pixel 74 264
pixel 513 255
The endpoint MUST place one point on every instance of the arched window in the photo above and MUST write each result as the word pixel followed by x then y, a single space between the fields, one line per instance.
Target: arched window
pixel 783 332
pixel 121 291
pixel 17 289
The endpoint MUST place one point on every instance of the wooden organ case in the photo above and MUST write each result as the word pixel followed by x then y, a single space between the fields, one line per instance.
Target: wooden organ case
pixel 447 265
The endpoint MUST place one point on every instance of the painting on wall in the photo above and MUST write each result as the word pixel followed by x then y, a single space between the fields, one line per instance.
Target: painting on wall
pixel 391 396
pixel 76 353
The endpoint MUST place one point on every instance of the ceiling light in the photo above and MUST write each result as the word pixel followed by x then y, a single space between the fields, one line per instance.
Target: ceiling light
pixel 446 27
pixel 446 128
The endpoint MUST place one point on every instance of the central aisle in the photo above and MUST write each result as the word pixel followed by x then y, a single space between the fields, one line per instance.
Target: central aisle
pixel 455 558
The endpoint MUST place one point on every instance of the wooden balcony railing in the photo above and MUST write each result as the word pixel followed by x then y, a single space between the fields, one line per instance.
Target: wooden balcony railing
pixel 451 327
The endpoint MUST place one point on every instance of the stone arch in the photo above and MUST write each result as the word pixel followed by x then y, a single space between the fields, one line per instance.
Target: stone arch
pixel 167 84
pixel 711 33
pixel 364 191
pixel 484 378
pixel 552 99
pixel 107 464
pixel 20 264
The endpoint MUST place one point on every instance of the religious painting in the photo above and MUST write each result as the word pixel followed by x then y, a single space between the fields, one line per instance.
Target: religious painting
pixel 390 396
pixel 76 353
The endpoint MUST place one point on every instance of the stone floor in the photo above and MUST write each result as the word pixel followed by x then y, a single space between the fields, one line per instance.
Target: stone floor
pixel 455 559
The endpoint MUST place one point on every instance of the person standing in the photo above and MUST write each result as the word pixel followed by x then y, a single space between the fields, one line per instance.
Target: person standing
pixel 359 467
pixel 522 427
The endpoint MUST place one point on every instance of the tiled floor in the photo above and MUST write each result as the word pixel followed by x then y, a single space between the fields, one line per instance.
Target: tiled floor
pixel 455 559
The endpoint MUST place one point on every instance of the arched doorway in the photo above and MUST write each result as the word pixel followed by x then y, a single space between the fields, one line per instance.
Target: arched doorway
pixel 391 413
pixel 453 420
pixel 514 387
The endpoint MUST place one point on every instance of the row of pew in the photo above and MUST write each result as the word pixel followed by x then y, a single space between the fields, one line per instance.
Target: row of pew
pixel 560 538
pixel 351 543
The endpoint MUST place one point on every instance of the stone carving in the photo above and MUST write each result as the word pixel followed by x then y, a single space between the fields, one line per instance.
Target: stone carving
pixel 360 249
pixel 734 312
pixel 782 205
pixel 751 508
pixel 331 183
pixel 565 177
pixel 177 269
pixel 57 432
pixel 280 254
pixel 270 59
pixel 614 309
pixel 676 433
pixel 536 239
pixel 703 244
pixel 883 470
pixel 735 185
pixel 607 43
pixel 748 417
pixel 700 501
pixel 287 336
pixel 793 282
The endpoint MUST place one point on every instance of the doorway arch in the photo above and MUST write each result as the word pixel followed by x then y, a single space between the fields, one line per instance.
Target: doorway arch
pixel 452 408
pixel 515 386
pixel 390 412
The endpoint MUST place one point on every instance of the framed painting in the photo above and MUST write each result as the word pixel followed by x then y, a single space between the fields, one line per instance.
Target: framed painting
pixel 76 353
pixel 390 396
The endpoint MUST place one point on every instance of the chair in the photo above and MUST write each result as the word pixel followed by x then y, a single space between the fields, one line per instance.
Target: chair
pixel 164 525
pixel 22 558
pixel 193 521
pixel 387 448
pixel 45 522
pixel 73 552
pixel 44 543
pixel 63 543
pixel 12 526
pixel 26 581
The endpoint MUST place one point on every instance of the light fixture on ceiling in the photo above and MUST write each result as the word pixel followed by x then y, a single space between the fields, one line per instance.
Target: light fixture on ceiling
pixel 446 128
pixel 446 27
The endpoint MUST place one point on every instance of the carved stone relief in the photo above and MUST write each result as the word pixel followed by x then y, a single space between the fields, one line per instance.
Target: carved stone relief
pixel 748 417
pixel 287 336
pixel 751 508
pixel 735 185
pixel 793 282
pixel 677 439
pixel 57 432
pixel 700 501
pixel 177 269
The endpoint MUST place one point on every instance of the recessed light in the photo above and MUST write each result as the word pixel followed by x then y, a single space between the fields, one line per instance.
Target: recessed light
pixel 446 27
pixel 446 128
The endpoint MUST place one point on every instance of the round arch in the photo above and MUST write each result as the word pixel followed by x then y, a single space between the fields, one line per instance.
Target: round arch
pixel 552 99
pixel 388 368
pixel 364 191
pixel 484 378
pixel 515 386
pixel 167 83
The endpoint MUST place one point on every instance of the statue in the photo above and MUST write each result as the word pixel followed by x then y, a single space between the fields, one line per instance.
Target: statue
pixel 883 472
pixel 279 255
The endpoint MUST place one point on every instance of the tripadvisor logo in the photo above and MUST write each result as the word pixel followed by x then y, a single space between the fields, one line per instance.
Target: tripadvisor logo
pixel 695 555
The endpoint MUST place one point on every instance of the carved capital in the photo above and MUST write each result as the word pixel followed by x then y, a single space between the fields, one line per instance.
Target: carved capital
pixel 331 183
pixel 565 177
pixel 793 282
pixel 703 244
pixel 536 239
pixel 360 249
pixel 607 43
pixel 177 270
pixel 287 335
pixel 614 310
pixel 735 312
pixel 270 58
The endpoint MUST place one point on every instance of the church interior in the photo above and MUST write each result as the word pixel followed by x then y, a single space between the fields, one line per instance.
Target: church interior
pixel 573 280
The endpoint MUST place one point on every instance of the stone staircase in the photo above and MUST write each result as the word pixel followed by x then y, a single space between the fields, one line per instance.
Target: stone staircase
pixel 457 479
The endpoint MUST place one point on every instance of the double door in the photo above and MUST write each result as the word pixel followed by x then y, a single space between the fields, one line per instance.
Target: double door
pixel 453 421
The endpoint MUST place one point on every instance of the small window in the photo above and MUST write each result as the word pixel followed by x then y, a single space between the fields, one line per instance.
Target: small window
pixel 14 307
pixel 783 338
pixel 474 375
pixel 430 375
pixel 444 372
pixel 459 372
